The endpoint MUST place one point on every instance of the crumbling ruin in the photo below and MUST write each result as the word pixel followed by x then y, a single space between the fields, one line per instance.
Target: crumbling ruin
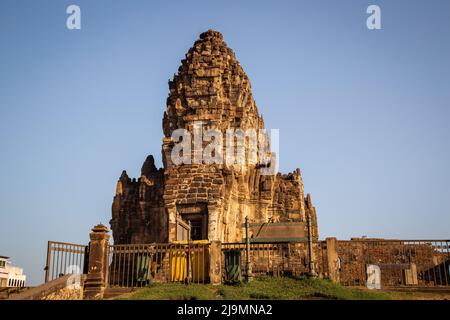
pixel 210 200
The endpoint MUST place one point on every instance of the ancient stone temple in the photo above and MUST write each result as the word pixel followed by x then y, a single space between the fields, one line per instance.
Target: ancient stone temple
pixel 202 200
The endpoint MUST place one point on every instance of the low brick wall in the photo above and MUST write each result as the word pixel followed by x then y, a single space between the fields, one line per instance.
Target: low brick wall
pixel 400 262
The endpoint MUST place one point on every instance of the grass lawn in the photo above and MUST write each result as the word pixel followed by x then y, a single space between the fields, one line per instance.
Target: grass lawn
pixel 282 288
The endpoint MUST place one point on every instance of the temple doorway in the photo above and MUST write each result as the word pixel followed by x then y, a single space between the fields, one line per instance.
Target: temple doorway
pixel 192 222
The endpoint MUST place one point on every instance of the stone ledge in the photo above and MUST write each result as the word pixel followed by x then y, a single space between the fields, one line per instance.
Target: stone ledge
pixel 49 289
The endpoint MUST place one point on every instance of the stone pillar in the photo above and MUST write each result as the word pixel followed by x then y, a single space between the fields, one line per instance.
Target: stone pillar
pixel 97 276
pixel 215 263
pixel 213 221
pixel 172 225
pixel 332 260
pixel 311 255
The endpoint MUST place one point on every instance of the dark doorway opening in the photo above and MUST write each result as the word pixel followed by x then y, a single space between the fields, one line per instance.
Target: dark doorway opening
pixel 197 217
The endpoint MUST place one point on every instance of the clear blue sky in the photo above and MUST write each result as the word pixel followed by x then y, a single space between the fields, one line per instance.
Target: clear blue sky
pixel 364 114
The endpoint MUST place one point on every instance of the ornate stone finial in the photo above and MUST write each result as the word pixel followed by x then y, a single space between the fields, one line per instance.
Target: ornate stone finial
pixel 100 228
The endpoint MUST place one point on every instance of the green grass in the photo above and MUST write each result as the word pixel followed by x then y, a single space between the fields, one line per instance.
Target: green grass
pixel 295 288
pixel 173 291
pixel 282 288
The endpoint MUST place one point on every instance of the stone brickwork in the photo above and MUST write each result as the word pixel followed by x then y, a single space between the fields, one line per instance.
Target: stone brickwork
pixel 400 262
pixel 138 213
pixel 210 89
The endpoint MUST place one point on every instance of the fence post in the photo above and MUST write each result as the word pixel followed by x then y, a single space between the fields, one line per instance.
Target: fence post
pixel 47 265
pixel 312 270
pixel 248 267
pixel 332 260
pixel 215 263
pixel 97 276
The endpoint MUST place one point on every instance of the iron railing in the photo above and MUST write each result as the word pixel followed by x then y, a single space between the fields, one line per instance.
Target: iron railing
pixel 401 262
pixel 65 258
pixel 137 265
pixel 274 259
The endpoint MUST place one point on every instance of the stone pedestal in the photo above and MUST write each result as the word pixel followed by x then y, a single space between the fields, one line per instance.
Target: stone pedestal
pixel 97 276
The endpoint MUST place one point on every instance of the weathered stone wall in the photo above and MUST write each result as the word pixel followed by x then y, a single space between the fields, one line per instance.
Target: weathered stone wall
pixel 138 214
pixel 396 259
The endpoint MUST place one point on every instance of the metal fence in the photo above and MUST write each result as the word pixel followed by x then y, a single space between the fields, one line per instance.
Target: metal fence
pixel 400 262
pixel 65 258
pixel 137 265
pixel 273 259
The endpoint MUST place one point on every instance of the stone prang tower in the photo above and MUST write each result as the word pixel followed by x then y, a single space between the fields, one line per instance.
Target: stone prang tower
pixel 210 201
